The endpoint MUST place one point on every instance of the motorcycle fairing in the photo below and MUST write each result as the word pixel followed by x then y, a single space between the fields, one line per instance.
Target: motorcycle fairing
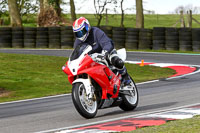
pixel 97 72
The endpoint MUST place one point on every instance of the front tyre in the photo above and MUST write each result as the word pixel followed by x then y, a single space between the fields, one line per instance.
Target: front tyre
pixel 130 98
pixel 85 106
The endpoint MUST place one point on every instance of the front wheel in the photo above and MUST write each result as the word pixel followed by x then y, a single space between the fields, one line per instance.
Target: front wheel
pixel 130 98
pixel 85 106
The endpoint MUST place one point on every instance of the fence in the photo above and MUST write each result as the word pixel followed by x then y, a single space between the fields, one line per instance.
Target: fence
pixel 158 38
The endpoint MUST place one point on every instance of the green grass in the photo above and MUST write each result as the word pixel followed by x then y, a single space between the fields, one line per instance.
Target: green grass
pixel 29 76
pixel 146 73
pixel 178 126
pixel 32 76
pixel 151 21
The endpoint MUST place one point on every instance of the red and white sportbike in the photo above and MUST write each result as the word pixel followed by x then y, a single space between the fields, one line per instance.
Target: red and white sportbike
pixel 97 85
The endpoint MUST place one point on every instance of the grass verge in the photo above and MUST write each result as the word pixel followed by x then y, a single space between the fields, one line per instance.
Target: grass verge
pixel 178 126
pixel 151 20
pixel 32 76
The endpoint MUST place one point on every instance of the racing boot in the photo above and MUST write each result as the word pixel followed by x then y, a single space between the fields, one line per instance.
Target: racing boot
pixel 125 77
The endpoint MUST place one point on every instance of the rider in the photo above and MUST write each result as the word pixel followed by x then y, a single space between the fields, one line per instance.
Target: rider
pixel 100 43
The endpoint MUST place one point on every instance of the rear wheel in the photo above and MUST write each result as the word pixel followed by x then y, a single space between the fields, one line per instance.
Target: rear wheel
pixel 130 98
pixel 85 106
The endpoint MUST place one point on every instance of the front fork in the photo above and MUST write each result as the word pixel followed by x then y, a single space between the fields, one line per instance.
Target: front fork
pixel 87 84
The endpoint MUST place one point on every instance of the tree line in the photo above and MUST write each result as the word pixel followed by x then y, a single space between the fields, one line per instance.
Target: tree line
pixel 50 11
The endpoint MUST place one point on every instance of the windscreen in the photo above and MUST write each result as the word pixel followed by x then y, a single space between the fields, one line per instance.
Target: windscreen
pixel 78 51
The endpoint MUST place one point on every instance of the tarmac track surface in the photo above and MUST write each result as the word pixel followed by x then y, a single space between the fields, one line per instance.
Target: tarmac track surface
pixel 57 112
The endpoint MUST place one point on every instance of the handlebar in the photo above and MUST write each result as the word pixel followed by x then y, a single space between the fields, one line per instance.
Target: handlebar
pixel 96 58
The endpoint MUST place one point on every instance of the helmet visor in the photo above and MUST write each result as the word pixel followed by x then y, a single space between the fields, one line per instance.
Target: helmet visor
pixel 80 33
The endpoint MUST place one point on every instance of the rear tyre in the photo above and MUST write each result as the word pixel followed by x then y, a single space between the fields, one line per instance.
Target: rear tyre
pixel 130 98
pixel 86 107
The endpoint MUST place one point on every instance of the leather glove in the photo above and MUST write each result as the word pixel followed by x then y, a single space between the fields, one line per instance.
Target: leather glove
pixel 103 55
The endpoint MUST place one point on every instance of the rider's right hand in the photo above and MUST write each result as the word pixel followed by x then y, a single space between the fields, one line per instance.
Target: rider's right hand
pixel 101 56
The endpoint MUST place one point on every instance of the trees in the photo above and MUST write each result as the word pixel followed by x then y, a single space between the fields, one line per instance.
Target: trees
pixel 194 9
pixel 26 6
pixel 139 14
pixel 14 13
pixel 49 13
pixel 122 14
pixel 3 6
pixel 57 7
pixel 99 6
pixel 72 9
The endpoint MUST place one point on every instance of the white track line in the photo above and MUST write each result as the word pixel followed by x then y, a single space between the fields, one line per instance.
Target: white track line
pixel 35 99
pixel 162 53
pixel 124 117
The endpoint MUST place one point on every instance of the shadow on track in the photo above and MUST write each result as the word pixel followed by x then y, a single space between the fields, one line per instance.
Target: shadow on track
pixel 140 108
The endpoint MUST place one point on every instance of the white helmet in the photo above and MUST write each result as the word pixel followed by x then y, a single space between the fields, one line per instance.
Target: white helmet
pixel 81 28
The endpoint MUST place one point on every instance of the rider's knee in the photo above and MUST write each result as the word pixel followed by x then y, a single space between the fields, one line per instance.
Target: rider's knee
pixel 117 62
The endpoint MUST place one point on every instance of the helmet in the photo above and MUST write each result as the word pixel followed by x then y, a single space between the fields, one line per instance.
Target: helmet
pixel 81 28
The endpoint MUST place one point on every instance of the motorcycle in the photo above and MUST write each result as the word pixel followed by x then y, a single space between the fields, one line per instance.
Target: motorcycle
pixel 96 84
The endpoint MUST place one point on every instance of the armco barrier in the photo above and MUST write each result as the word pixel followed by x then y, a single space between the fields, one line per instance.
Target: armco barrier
pixel 171 39
pixel 145 39
pixel 132 38
pixel 67 37
pixel 17 37
pixel 158 38
pixel 185 39
pixel 42 38
pixel 196 39
pixel 5 37
pixel 118 37
pixel 54 37
pixel 29 37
